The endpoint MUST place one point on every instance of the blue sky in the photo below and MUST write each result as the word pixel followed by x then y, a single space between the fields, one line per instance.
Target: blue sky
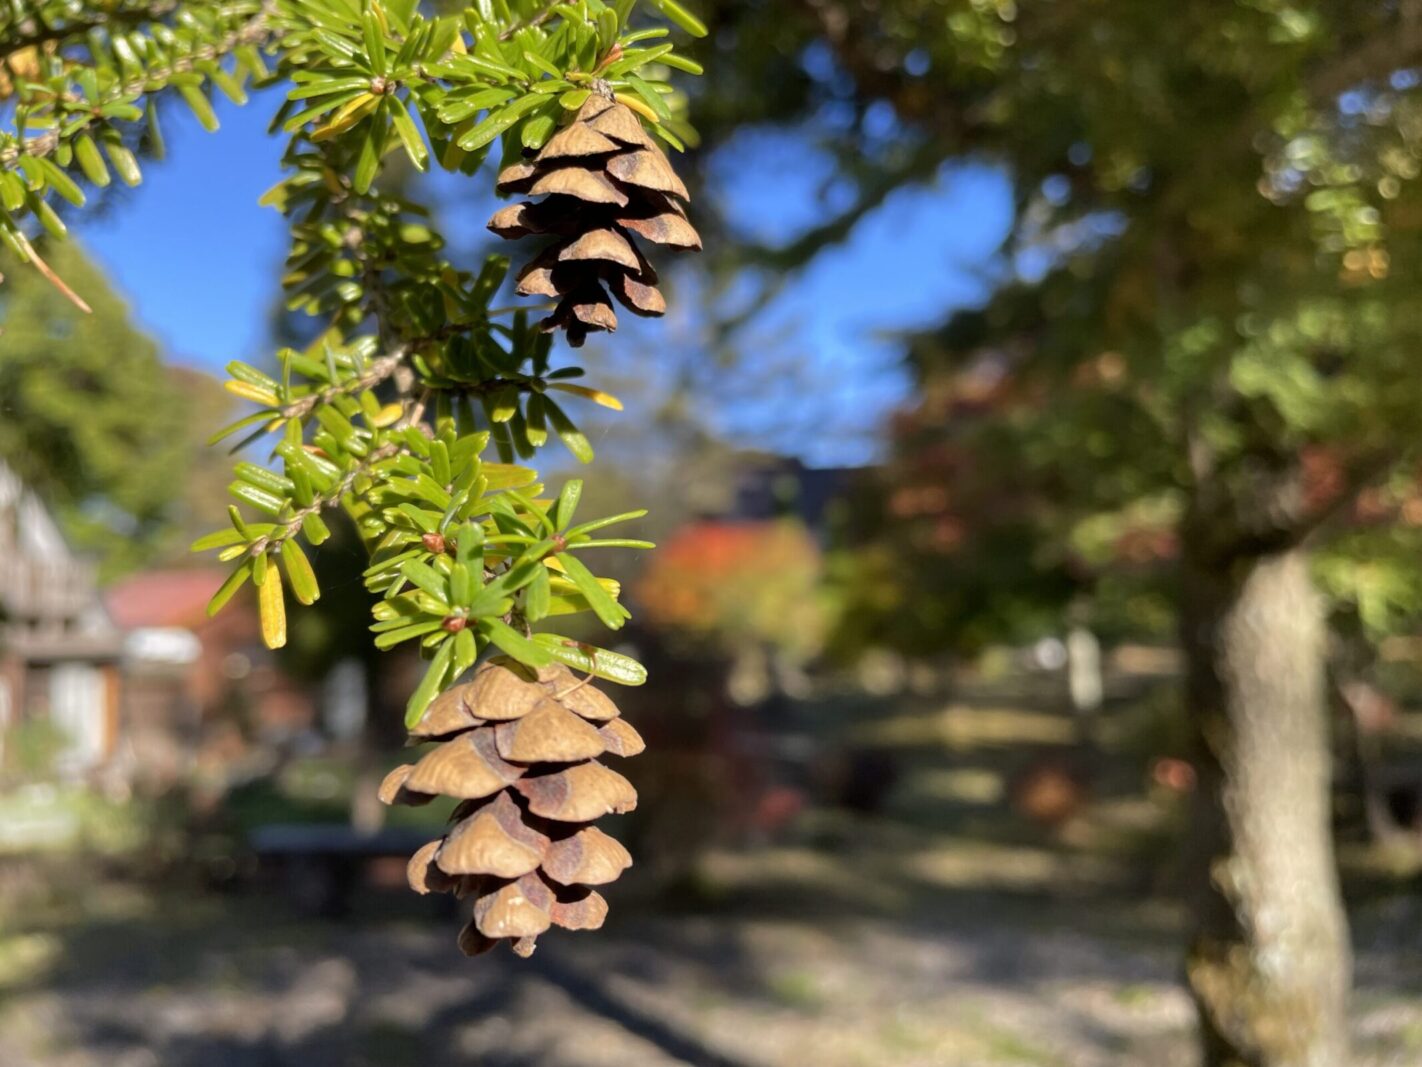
pixel 198 260
pixel 195 255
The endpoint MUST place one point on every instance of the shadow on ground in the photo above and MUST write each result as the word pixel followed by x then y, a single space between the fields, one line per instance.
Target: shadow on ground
pixel 941 930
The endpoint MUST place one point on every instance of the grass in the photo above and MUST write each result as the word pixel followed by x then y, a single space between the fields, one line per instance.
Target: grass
pixel 69 818
pixel 797 989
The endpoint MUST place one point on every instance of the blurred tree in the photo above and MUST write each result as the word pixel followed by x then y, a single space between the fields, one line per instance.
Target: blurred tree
pixel 960 539
pixel 1212 278
pixel 204 403
pixel 749 590
pixel 88 415
pixel 736 582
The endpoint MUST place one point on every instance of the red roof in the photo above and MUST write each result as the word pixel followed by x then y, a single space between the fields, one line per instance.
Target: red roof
pixel 163 598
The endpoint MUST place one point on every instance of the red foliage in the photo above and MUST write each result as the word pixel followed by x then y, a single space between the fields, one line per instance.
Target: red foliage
pixel 735 581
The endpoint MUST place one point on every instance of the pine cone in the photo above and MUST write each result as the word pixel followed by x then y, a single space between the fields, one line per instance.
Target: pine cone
pixel 603 179
pixel 520 751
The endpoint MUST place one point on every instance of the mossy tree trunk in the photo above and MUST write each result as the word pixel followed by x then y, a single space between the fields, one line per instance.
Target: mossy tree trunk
pixel 1269 960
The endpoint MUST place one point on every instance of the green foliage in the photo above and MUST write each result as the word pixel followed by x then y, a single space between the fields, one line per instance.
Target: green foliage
pixel 1211 276
pixel 89 417
pixel 414 376
pixel 84 82
pixel 80 76
pixel 30 750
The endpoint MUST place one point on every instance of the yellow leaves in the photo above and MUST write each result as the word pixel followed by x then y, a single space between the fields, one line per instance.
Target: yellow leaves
pixel 637 105
pixel 347 117
pixel 564 587
pixel 251 391
pixel 299 572
pixel 380 16
pixel 272 604
pixel 22 63
pixel 387 416
pixel 597 396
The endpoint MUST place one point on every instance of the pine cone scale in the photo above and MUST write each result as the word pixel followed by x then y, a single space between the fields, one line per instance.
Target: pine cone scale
pixel 608 245
pixel 581 183
pixel 647 169
pixel 619 124
pixel 578 140
pixel 468 767
pixel 550 733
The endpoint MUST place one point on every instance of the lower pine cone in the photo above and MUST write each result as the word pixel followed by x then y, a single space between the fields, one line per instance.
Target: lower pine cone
pixel 520 751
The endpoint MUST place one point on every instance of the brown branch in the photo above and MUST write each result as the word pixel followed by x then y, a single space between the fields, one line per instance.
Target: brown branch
pixel 292 526
pixel 49 275
pixel 379 370
pixel 537 20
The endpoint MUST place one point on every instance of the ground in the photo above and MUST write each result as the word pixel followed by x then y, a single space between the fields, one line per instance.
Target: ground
pixel 944 929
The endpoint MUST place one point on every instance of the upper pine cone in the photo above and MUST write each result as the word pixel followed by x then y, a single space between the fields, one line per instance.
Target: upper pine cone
pixel 520 751
pixel 603 179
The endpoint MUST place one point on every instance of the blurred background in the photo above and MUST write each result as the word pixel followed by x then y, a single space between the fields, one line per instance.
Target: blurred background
pixel 918 439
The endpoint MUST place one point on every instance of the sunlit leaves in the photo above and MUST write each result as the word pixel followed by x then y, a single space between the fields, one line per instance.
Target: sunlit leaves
pixel 464 551
pixel 415 408
pixel 436 679
pixel 599 662
pixel 468 81
pixel 681 15
pixel 80 109
pixel 272 606
pixel 496 122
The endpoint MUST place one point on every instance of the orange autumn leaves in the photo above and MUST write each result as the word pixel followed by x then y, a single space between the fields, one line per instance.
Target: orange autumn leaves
pixel 739 583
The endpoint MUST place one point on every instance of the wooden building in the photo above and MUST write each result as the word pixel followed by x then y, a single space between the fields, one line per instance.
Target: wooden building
pixel 59 649
pixel 203 697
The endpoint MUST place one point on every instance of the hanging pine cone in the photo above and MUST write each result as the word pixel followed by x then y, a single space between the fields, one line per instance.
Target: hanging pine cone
pixel 603 179
pixel 520 751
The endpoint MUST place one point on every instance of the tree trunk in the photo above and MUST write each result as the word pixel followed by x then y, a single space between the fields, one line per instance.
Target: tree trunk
pixel 1269 961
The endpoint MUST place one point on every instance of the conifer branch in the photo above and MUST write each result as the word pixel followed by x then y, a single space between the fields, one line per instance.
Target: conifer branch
pixel 292 527
pixel 379 370
pixel 33 32
pixel 255 31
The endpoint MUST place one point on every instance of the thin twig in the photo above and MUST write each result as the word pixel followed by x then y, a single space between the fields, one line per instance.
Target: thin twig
pixel 574 688
pixel 378 371
pixel 292 526
pixel 47 272
pixel 537 20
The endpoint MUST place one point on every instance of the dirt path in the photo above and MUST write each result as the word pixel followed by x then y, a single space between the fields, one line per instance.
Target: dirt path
pixel 235 984
pixel 944 931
